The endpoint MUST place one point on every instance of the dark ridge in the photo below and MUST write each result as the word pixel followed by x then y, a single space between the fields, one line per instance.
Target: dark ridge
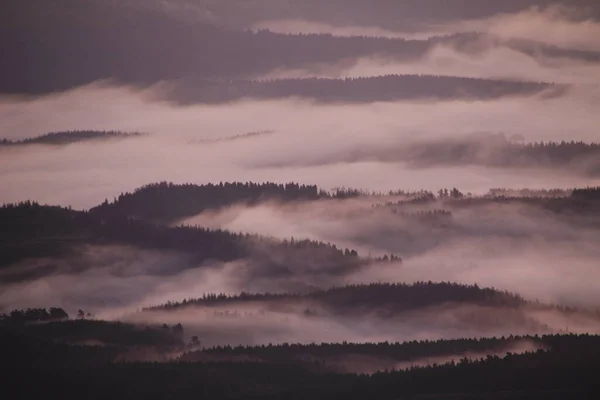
pixel 29 230
pixel 397 351
pixel 68 137
pixel 483 149
pixel 498 151
pixel 397 297
pixel 165 201
pixel 580 207
pixel 368 89
pixel 564 371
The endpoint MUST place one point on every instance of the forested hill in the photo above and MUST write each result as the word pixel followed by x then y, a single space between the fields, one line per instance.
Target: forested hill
pixel 386 351
pixel 166 201
pixel 30 230
pixel 369 89
pixel 388 298
pixel 68 137
pixel 498 151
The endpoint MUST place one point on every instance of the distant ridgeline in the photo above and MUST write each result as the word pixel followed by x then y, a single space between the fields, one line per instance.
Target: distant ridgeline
pixel 233 138
pixel 569 202
pixel 368 89
pixel 68 137
pixel 391 298
pixel 498 151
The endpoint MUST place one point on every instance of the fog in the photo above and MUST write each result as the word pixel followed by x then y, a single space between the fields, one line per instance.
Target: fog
pixel 519 248
pixel 304 135
pixel 109 281
pixel 278 321
pixel 560 26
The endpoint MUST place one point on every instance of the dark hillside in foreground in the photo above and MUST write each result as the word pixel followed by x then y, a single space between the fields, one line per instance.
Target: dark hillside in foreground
pixel 563 371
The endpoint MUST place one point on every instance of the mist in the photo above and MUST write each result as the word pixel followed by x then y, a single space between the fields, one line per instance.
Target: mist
pixel 556 25
pixel 304 134
pixel 521 248
pixel 507 246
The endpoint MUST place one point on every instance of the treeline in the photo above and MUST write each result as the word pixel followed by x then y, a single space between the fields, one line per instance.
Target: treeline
pixel 34 315
pixel 68 137
pixel 168 201
pixel 573 202
pixel 398 351
pixel 392 297
pixel 538 193
pixel 368 89
pixel 498 151
pixel 590 193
